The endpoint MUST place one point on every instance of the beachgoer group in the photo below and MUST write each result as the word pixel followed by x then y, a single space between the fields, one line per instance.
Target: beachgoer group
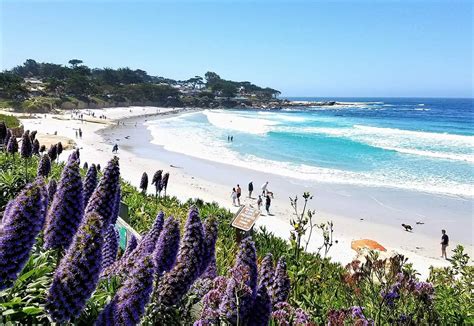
pixel 266 195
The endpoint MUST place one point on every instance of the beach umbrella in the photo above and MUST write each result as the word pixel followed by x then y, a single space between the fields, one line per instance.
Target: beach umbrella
pixel 367 244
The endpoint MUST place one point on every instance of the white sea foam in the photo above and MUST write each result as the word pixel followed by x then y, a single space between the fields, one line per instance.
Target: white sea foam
pixel 227 120
pixel 200 142
pixel 429 144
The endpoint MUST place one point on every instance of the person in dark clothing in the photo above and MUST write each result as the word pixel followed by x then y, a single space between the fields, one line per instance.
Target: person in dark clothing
pixel 231 138
pixel 444 244
pixel 250 189
pixel 115 149
pixel 268 202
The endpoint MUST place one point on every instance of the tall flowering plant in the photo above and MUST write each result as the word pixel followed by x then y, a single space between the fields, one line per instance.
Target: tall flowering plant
pixel 22 221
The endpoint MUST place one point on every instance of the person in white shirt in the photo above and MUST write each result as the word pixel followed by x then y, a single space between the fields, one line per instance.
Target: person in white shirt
pixel 264 188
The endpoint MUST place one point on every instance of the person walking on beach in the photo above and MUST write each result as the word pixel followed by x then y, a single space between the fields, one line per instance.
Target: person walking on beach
pixel 264 188
pixel 115 149
pixel 444 243
pixel 231 138
pixel 268 202
pixel 259 202
pixel 250 189
pixel 80 133
pixel 239 193
pixel 234 196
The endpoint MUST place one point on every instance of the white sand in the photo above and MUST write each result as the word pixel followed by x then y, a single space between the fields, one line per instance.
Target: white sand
pixel 422 250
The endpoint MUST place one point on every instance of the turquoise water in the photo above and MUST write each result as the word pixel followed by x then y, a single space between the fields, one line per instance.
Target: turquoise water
pixel 419 144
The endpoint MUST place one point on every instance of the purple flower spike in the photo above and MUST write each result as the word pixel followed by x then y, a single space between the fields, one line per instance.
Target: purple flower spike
pixel 8 135
pixel 144 182
pixel 53 152
pixel 102 200
pixel 156 180
pixel 12 146
pixel 128 305
pixel 59 148
pixel 211 270
pixel 3 131
pixel 116 211
pixel 26 149
pixel 33 135
pixel 262 308
pixel 247 256
pixel 177 282
pixel 42 149
pixel 131 245
pixel 35 147
pixel 143 249
pixel 167 246
pixel 90 183
pixel 238 298
pixel 266 271
pixel 77 275
pixel 44 166
pixel 110 247
pixel 52 187
pixel 67 209
pixel 21 223
pixel 280 289
pixel 85 166
pixel 164 181
pixel 210 238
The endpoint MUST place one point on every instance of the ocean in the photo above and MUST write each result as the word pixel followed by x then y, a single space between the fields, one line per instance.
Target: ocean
pixel 409 143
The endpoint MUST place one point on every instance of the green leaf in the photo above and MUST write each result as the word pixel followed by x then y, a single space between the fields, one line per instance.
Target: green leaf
pixel 32 310
pixel 9 312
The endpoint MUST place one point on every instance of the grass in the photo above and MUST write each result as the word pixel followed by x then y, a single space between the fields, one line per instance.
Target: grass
pixel 10 121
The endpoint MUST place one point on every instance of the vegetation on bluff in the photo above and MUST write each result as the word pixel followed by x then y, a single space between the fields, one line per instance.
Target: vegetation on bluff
pixel 35 86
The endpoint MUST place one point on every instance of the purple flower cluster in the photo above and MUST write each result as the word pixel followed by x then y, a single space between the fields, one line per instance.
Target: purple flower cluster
pixel 67 209
pixel 266 271
pixel 35 147
pixel 22 221
pixel 143 249
pixel 211 270
pixel 144 182
pixel 280 289
pixel 156 180
pixel 177 282
pixel 44 166
pixel 210 238
pixel 164 181
pixel 52 187
pixel 285 315
pixel 164 255
pixel 78 272
pixel 26 149
pixel 241 290
pixel 12 146
pixel 391 295
pixel 211 301
pixel 53 152
pixel 102 199
pixel 3 131
pixel 110 247
pixel 128 305
pixel 116 210
pixel 33 135
pixel 262 308
pixel 90 182
pixel 424 291
pixel 131 245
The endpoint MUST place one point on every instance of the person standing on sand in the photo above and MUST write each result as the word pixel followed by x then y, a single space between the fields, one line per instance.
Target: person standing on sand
pixel 231 138
pixel 268 202
pixel 233 196
pixel 80 133
pixel 264 188
pixel 444 244
pixel 115 149
pixel 239 193
pixel 250 189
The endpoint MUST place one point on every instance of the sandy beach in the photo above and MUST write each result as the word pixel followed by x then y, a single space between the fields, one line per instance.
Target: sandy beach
pixel 357 212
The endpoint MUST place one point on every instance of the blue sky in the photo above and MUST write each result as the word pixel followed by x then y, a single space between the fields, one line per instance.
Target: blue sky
pixel 312 48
